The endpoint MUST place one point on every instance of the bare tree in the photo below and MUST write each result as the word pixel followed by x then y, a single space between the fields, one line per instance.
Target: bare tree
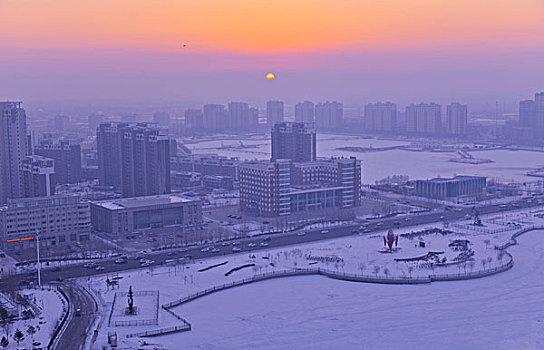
pixel 386 272
pixel 410 270
pixel 362 267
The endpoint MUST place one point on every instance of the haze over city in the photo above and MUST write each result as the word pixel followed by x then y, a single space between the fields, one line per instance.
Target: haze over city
pixel 256 174
pixel 356 51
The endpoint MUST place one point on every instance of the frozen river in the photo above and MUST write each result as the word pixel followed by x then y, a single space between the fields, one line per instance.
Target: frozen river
pixel 504 311
pixel 508 165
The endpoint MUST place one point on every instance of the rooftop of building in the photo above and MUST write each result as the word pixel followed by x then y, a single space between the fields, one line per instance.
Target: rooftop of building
pixel 59 199
pixel 454 179
pixel 140 202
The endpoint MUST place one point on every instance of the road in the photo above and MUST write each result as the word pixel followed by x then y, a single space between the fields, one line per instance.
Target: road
pixel 273 241
pixel 75 332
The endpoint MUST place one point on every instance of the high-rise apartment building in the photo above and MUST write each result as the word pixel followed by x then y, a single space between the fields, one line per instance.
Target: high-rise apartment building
pixel 456 119
pixel 135 159
pixel 38 176
pixel 274 112
pixel 305 112
pixel 380 117
pixel 67 157
pixel 531 115
pixel 253 116
pixel 424 118
pixel 238 116
pixel 214 117
pixel 329 115
pixel 539 115
pixel 294 141
pixel 526 112
pixel 194 119
pixel 13 149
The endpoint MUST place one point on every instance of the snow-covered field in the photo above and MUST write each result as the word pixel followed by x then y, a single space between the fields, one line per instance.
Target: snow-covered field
pixel 314 312
pixel 48 304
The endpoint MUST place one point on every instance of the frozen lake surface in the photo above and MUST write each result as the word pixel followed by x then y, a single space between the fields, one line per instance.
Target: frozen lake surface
pixel 508 165
pixel 504 311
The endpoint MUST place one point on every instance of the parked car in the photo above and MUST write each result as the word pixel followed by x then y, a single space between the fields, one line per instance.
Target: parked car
pixel 236 249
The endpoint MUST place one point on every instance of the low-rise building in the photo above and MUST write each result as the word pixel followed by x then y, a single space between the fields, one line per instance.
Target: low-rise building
pixel 456 187
pixel 128 215
pixel 211 182
pixel 206 164
pixel 182 180
pixel 60 219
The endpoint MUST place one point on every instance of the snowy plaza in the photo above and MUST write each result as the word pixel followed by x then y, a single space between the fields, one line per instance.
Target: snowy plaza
pixel 315 312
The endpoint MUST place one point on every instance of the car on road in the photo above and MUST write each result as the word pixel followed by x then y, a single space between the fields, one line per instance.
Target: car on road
pixel 408 219
pixel 355 230
pixel 236 249
pixel 224 244
pixel 120 261
pixel 78 312
pixel 215 250
pixel 301 233
pixel 205 249
pixel 99 268
pixel 379 224
pixel 90 265
pixel 264 244
pixel 251 245
pixel 324 232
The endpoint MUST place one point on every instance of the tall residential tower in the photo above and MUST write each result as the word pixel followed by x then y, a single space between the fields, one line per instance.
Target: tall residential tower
pixel 13 149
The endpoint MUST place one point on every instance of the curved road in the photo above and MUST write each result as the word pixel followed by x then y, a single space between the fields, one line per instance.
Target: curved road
pixel 75 331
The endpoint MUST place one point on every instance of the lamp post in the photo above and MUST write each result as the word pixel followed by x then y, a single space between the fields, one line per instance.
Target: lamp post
pixel 38 259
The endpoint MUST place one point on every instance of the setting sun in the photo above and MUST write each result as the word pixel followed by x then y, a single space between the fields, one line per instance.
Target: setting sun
pixel 270 76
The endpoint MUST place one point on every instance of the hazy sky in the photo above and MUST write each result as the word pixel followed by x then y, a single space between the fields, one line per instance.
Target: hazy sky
pixel 351 50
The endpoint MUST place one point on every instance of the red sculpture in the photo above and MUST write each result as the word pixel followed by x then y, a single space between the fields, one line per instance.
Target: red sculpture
pixel 390 239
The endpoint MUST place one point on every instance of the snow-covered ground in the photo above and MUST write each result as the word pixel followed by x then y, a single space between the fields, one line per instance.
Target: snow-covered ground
pixel 49 304
pixel 319 313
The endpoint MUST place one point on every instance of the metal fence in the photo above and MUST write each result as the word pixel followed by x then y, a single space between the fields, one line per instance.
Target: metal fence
pixel 128 323
pixel 186 326
pixel 160 331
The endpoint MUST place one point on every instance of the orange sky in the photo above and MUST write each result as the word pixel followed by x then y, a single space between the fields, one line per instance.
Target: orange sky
pixel 269 27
